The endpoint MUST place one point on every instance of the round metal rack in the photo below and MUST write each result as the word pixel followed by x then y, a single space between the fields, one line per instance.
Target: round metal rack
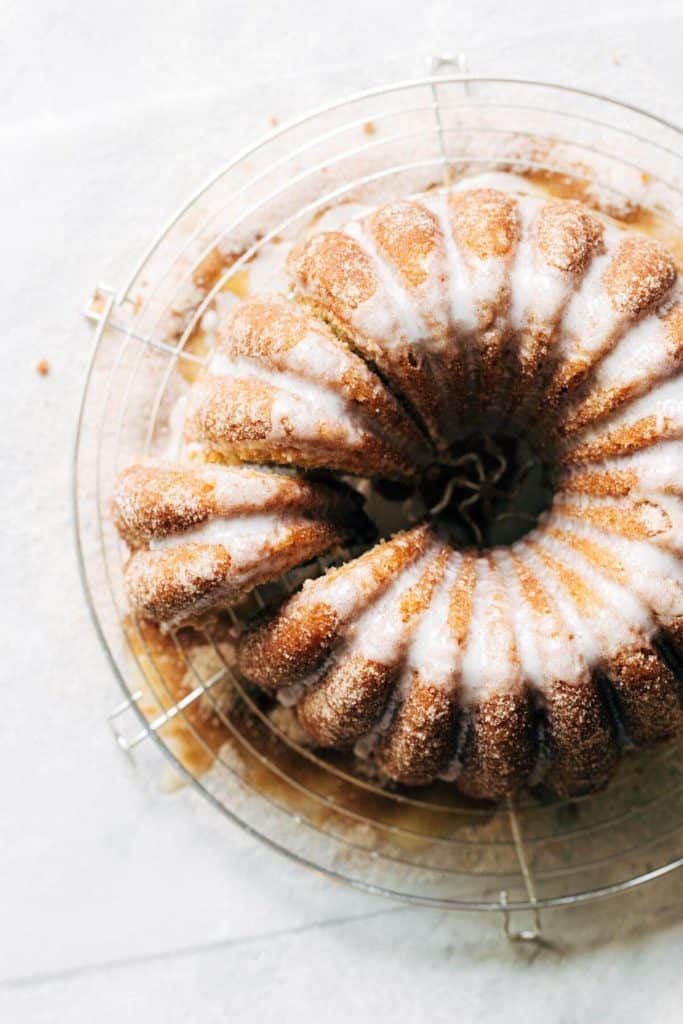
pixel 425 846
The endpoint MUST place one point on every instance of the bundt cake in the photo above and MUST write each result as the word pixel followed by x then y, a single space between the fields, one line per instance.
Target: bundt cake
pixel 412 336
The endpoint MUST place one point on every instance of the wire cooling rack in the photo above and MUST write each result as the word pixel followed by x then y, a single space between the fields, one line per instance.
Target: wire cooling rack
pixel 152 336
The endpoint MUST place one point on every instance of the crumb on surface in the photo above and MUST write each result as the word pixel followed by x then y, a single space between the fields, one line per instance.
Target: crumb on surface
pixel 274 121
pixel 43 368
pixel 369 128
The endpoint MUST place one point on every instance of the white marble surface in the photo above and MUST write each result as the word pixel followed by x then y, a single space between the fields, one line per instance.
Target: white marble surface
pixel 118 902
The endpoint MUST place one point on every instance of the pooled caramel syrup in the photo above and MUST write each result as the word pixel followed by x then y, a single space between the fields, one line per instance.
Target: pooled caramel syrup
pixel 214 729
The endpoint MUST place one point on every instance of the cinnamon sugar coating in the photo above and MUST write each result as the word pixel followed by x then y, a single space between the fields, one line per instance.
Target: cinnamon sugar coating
pixel 345 704
pixel 640 275
pixel 151 502
pixel 406 233
pixel 334 270
pixel 581 738
pixel 484 222
pixel 568 235
pixel 282 388
pixel 202 537
pixel 647 694
pixel 423 734
pixel 499 751
pixel 406 329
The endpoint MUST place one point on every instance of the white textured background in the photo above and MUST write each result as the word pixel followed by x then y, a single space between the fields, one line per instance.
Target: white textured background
pixel 117 903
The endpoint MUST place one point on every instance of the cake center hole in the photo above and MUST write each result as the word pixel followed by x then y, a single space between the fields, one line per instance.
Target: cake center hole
pixel 489 489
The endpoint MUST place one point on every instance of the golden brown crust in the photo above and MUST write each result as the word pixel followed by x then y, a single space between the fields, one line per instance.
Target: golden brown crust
pixel 406 233
pixel 485 222
pixel 582 748
pixel 232 412
pixel 235 421
pixel 334 270
pixel 462 599
pixel 647 694
pixel 152 501
pixel 640 275
pixel 422 736
pixel 346 703
pixel 164 586
pixel 409 240
pixel 417 598
pixel 499 749
pixel 594 552
pixel 596 406
pixel 568 235
pixel 268 328
pixel 532 590
pixel 411 377
pixel 673 320
pixel 638 278
pixel 595 403
pixel 289 646
pixel 264 328
pixel 579 737
pixel 485 225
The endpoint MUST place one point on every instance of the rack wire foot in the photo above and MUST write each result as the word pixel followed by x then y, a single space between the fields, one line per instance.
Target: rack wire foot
pixel 447 63
pixel 126 743
pixel 101 300
pixel 99 308
pixel 532 933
